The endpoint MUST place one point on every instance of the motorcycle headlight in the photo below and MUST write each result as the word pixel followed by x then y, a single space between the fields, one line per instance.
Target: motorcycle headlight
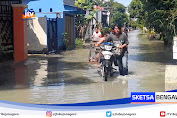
pixel 108 47
pixel 107 56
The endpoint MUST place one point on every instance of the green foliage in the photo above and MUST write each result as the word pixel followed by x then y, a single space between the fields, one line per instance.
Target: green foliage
pixel 136 9
pixel 119 7
pixel 79 41
pixel 84 4
pixel 91 15
pixel 65 40
pixel 134 24
pixel 80 20
pixel 118 14
pixel 88 4
pixel 108 4
pixel 119 18
pixel 106 30
pixel 161 15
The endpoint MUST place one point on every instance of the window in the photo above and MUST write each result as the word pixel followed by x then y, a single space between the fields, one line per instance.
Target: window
pixel 50 9
pixel 40 10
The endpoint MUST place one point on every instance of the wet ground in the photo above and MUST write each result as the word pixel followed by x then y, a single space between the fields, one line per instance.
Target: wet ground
pixel 69 78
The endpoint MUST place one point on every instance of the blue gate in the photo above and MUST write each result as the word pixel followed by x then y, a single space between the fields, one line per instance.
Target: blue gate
pixel 52 42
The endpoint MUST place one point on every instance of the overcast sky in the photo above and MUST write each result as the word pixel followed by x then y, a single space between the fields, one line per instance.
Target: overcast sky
pixel 124 2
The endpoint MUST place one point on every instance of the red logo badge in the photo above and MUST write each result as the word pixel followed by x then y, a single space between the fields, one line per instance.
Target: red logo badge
pixel 162 114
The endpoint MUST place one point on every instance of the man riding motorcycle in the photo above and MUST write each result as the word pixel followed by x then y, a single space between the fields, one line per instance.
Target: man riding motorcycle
pixel 117 37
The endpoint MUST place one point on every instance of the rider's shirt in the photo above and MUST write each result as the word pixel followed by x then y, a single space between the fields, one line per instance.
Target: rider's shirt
pixel 96 36
pixel 121 40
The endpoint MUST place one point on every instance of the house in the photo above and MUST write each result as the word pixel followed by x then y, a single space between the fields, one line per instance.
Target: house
pixel 53 18
pixel 105 1
pixel 101 16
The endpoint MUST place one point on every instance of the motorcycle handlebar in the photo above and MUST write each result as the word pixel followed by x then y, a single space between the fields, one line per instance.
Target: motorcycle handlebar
pixel 104 43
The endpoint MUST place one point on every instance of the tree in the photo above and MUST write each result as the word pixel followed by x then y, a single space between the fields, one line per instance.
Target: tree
pixel 84 4
pixel 118 15
pixel 136 11
pixel 161 15
pixel 80 20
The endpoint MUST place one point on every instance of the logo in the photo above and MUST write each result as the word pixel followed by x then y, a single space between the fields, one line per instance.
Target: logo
pixel 108 113
pixel 49 114
pixel 162 114
pixel 143 97
pixel 28 14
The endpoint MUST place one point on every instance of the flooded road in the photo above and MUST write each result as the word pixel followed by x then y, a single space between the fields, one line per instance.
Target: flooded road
pixel 69 78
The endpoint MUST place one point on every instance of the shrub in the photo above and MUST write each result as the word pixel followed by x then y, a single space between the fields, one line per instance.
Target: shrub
pixel 79 41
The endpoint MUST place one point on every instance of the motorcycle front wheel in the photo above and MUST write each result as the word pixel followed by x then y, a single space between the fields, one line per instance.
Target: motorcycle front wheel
pixel 111 72
pixel 105 73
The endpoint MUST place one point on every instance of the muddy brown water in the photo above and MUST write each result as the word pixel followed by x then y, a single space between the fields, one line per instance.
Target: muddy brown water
pixel 69 78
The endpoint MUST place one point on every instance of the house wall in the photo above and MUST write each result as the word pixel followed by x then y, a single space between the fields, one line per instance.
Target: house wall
pixel 37 34
pixel 99 16
pixel 57 6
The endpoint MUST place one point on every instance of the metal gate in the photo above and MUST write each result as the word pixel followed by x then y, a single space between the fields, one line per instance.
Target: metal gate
pixel 69 29
pixel 6 28
pixel 52 42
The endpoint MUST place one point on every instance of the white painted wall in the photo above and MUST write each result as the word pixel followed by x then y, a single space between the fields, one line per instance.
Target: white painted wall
pixel 37 34
pixel 175 48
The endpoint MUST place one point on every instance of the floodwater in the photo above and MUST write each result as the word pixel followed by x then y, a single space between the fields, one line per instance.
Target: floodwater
pixel 69 78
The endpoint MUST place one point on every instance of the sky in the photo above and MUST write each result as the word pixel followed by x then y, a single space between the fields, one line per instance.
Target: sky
pixel 124 2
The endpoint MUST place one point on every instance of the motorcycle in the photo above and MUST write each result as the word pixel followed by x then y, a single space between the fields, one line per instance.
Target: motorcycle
pixel 107 50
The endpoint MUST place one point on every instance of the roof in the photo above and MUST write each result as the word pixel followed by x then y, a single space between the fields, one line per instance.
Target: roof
pixel 74 9
pixel 69 2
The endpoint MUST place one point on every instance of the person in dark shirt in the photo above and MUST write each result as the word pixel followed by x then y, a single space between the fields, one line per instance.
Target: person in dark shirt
pixel 117 37
pixel 125 57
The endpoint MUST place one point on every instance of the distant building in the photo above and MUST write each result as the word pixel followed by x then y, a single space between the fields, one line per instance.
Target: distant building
pixel 102 16
pixel 105 1
pixel 69 2
pixel 60 16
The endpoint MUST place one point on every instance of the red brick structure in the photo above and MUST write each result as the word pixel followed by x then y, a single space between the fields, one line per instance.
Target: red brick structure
pixel 20 33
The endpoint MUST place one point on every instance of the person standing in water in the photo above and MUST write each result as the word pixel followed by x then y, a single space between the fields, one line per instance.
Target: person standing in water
pixel 117 36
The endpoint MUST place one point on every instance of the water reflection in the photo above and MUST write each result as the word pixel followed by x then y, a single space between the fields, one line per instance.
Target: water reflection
pixel 7 81
pixel 53 85
pixel 41 73
pixel 147 60
pixel 68 78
